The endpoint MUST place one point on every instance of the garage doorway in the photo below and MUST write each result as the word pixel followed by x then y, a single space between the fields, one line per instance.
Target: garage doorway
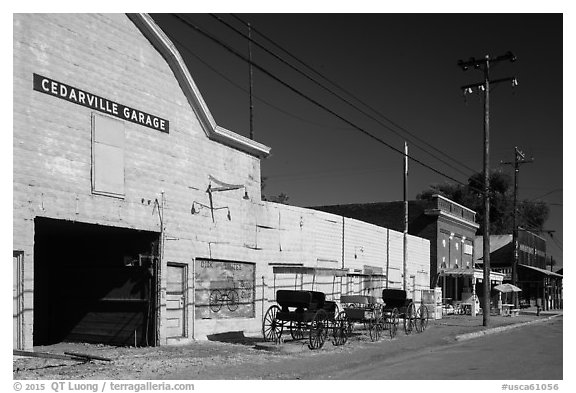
pixel 94 283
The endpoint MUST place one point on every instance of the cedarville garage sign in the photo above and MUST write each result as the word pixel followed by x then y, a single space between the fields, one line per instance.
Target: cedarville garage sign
pixel 89 100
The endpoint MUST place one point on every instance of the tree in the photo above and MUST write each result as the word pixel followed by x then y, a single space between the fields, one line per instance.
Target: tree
pixel 280 198
pixel 530 214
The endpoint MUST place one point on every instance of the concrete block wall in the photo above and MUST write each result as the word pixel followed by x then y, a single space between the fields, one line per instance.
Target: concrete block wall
pixel 396 250
pixel 329 240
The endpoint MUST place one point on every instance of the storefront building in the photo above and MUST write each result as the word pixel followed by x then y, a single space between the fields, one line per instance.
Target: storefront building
pixel 450 228
pixel 539 286
pixel 137 220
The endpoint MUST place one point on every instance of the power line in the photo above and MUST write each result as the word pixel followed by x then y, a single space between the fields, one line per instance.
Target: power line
pixel 557 242
pixel 310 99
pixel 548 193
pixel 353 96
pixel 327 89
pixel 233 83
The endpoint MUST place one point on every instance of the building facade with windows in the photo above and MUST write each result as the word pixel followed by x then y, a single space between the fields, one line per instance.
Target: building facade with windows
pixel 450 228
pixel 539 285
pixel 137 220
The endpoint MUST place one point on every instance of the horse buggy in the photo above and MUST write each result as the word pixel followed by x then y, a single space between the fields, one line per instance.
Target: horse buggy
pixel 368 311
pixel 305 314
pixel 397 305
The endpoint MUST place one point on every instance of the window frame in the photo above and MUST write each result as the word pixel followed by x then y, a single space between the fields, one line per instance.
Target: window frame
pixel 93 169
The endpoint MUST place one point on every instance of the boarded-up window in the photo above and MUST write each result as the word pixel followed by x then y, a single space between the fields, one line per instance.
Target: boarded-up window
pixel 107 156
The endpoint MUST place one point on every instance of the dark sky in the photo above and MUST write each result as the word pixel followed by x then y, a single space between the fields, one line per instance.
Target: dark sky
pixel 405 67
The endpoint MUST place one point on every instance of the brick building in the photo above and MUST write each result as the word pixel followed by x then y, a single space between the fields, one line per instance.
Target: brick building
pixel 539 285
pixel 450 228
pixel 137 220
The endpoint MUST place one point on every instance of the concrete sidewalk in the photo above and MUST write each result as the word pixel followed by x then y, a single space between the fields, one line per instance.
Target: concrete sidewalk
pixel 503 323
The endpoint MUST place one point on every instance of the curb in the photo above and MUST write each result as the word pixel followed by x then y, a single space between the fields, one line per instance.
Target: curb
pixel 480 333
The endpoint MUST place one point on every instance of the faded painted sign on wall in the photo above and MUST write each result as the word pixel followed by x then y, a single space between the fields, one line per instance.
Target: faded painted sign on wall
pixel 224 289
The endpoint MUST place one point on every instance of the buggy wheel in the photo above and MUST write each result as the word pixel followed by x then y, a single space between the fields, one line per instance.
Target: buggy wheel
pixel 349 323
pixel 336 312
pixel 339 332
pixel 421 318
pixel 392 322
pixel 272 327
pixel 375 325
pixel 297 330
pixel 410 318
pixel 215 300
pixel 232 303
pixel 318 330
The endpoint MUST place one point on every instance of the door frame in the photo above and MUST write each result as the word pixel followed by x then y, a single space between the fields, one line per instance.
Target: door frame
pixel 185 288
pixel 19 285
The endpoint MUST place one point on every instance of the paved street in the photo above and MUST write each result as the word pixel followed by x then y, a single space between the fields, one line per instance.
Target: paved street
pixel 533 352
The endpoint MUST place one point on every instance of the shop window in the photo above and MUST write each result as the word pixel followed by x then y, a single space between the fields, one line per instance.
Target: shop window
pixel 107 156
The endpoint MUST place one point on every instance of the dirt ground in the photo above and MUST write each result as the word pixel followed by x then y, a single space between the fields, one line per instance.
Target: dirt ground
pixel 234 356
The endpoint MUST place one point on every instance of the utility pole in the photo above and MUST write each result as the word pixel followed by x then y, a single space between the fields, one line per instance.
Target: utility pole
pixel 405 266
pixel 250 81
pixel 484 64
pixel 519 159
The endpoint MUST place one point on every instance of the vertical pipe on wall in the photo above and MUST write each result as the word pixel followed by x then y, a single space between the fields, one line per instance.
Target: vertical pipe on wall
pixel 343 242
pixel 193 298
pixel 387 257
pixel 262 298
pixel 159 270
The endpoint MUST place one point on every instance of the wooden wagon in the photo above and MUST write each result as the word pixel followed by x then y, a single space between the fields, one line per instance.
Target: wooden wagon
pixel 369 312
pixel 304 313
pixel 397 306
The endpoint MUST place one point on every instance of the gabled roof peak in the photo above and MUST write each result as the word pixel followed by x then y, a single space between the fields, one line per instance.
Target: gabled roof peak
pixel 164 45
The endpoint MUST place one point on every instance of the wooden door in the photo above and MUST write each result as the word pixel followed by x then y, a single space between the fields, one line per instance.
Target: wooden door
pixel 176 300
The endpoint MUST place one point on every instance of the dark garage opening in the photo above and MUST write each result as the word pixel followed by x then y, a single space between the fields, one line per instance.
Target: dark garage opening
pixel 94 284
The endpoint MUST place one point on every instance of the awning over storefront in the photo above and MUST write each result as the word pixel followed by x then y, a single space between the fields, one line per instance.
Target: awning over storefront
pixel 358 274
pixel 315 271
pixel 543 271
pixel 472 273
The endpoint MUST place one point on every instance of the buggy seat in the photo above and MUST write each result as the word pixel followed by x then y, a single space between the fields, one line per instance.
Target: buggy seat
pixel 300 300
pixel 394 298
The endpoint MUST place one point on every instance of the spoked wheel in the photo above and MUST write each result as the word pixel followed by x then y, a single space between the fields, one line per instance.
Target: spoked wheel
pixel 392 322
pixel 339 330
pixel 297 330
pixel 215 300
pixel 336 311
pixel 421 318
pixel 318 330
pixel 410 318
pixel 349 323
pixel 232 300
pixel 375 325
pixel 271 327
